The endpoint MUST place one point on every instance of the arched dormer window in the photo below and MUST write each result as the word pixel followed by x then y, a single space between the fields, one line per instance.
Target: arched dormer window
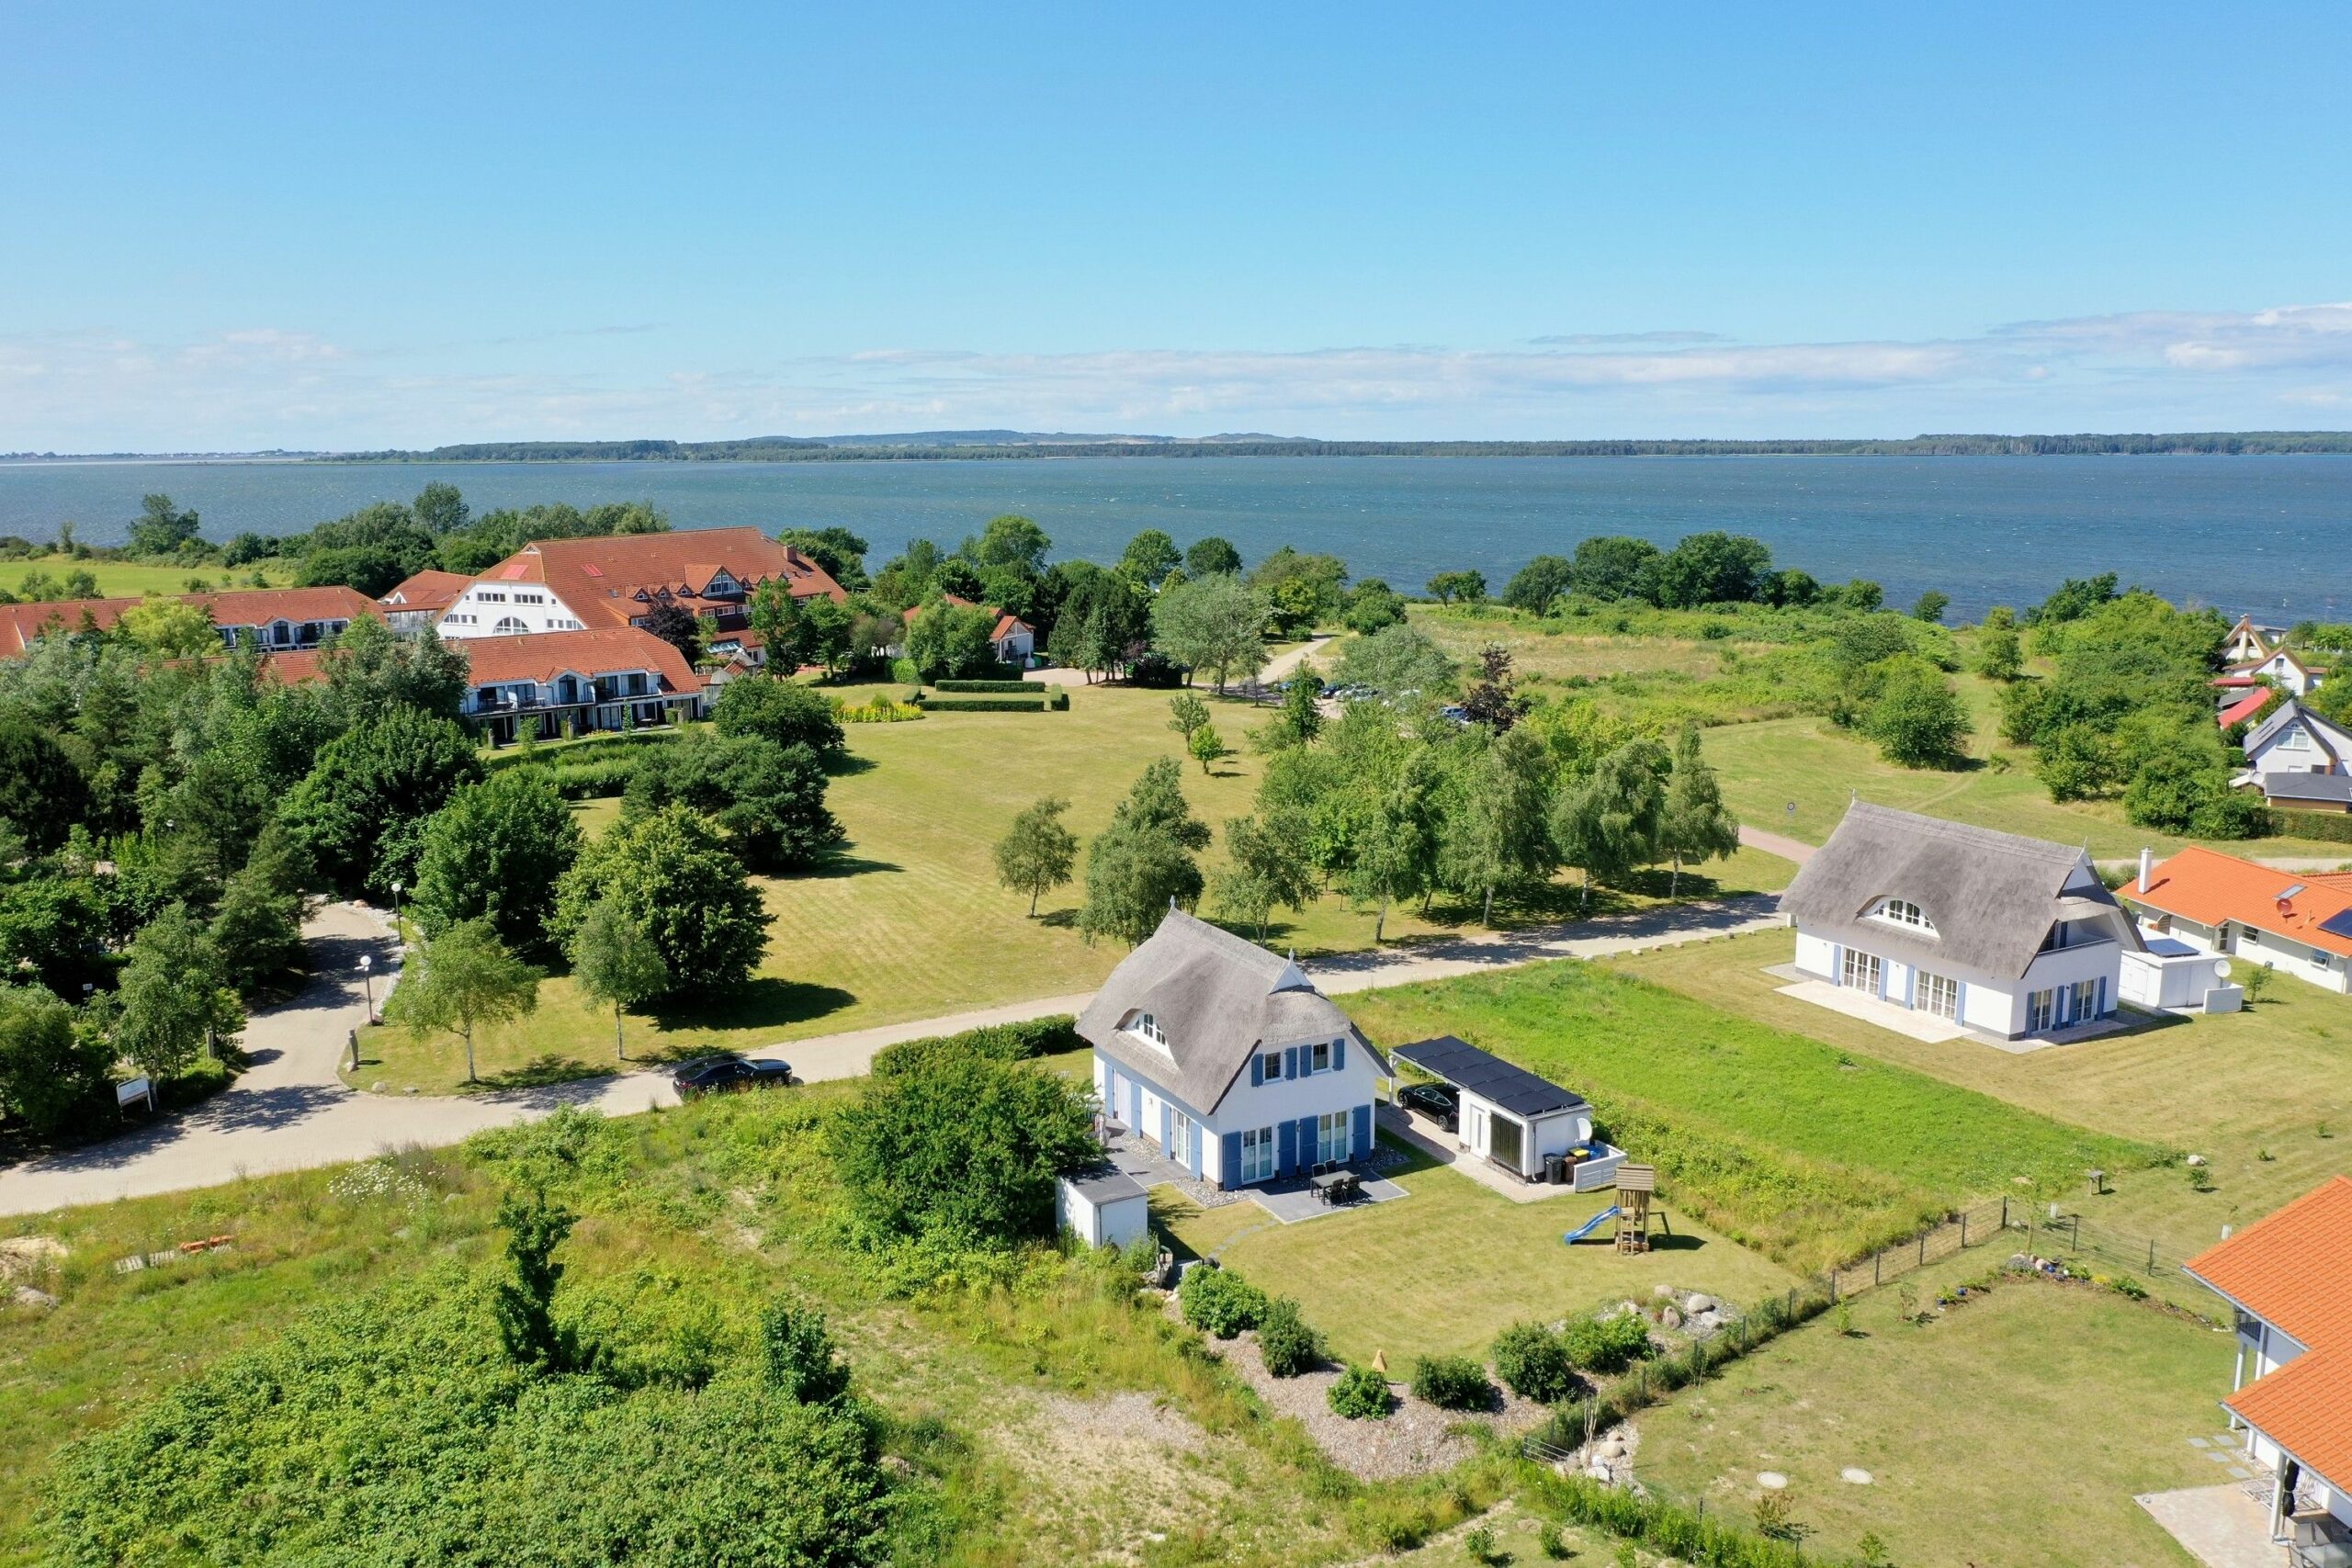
pixel 1148 1027
pixel 509 626
pixel 1903 912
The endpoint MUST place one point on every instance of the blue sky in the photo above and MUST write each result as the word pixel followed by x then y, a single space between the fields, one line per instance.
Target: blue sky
pixel 236 227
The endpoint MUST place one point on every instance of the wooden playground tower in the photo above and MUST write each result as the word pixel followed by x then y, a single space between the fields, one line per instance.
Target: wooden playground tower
pixel 1634 1185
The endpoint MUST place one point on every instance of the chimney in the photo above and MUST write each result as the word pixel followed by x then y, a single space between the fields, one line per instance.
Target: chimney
pixel 2147 865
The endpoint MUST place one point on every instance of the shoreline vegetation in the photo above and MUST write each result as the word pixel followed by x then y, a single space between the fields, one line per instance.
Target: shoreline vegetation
pixel 972 445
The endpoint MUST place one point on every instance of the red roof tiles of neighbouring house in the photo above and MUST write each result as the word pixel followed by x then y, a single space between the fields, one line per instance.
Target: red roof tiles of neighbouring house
pixel 613 580
pixel 2244 708
pixel 20 625
pixel 428 590
pixel 2293 1271
pixel 542 656
pixel 2207 887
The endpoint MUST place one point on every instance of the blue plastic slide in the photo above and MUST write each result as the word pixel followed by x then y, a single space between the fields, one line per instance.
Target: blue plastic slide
pixel 1589 1225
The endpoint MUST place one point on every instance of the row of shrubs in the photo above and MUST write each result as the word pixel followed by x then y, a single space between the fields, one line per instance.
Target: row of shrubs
pixel 1542 1364
pixel 1058 702
pixel 1661 1375
pixel 2331 826
pixel 1668 1529
pixel 998 687
pixel 589 747
pixel 1221 1302
pixel 879 709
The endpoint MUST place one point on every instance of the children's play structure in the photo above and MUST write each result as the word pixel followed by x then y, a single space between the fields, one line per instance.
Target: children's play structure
pixel 1632 1211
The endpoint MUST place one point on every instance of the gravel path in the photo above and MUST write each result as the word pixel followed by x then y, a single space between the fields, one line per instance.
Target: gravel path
pixel 288 1111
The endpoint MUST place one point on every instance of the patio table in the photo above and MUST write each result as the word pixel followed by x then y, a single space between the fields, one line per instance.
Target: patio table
pixel 1333 1186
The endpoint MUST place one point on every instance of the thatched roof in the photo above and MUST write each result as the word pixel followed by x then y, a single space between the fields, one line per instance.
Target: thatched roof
pixel 1217 998
pixel 1991 897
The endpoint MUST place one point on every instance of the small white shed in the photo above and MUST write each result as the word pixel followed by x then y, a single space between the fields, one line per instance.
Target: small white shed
pixel 1103 1208
pixel 2170 974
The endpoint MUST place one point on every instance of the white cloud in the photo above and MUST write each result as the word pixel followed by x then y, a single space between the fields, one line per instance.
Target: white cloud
pixel 283 387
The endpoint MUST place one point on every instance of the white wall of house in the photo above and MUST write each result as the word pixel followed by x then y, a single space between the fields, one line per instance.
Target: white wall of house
pixel 2296 749
pixel 508 609
pixel 1016 647
pixel 1133 1099
pixel 1995 1004
pixel 1555 1133
pixel 2245 945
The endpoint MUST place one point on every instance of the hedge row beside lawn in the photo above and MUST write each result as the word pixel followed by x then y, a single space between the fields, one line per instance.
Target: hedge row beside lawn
pixel 1058 702
pixel 2328 827
pixel 1015 687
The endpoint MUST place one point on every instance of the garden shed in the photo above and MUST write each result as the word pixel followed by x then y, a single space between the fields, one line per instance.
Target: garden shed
pixel 1102 1208
pixel 1511 1118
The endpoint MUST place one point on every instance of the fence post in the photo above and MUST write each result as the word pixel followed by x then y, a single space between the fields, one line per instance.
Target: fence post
pixel 2005 1210
pixel 1876 1259
pixel 1923 1249
pixel 2152 1255
pixel 1963 1230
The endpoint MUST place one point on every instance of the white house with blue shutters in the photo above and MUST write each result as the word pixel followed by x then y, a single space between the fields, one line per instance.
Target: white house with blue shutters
pixel 1227 1059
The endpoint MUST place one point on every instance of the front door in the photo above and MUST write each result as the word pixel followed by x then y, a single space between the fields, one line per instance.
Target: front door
pixel 1474 1129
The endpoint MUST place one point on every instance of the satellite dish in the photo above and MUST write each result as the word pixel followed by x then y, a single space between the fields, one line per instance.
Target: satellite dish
pixel 2220 969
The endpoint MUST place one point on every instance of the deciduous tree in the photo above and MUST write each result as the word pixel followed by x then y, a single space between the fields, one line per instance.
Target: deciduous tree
pixel 1540 584
pixel 615 962
pixel 1610 823
pixel 1143 861
pixel 1215 625
pixel 1267 864
pixel 1697 826
pixel 780 711
pixel 461 981
pixel 672 874
pixel 1036 856
pixel 495 852
pixel 1501 840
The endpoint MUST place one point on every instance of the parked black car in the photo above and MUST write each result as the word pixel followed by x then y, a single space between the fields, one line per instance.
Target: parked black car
pixel 725 1074
pixel 1434 1100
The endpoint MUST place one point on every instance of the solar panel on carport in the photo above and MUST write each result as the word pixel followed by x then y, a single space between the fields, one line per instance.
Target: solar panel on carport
pixel 1488 1077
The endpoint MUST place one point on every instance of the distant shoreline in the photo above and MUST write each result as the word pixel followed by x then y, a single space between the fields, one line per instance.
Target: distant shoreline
pixel 993 447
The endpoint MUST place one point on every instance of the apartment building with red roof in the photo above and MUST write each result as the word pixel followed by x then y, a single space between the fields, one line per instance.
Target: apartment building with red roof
pixel 563 585
pixel 2288 1278
pixel 272 617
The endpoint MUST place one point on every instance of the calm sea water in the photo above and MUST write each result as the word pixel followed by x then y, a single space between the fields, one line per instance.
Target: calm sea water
pixel 2264 535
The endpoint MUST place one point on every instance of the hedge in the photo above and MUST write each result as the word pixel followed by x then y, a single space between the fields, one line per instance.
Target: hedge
pixel 593 780
pixel 984 705
pixel 996 686
pixel 593 748
pixel 1005 1042
pixel 2332 826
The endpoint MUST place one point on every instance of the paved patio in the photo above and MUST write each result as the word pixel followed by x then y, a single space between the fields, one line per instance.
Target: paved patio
pixel 1925 1026
pixel 1290 1201
pixel 2221 1527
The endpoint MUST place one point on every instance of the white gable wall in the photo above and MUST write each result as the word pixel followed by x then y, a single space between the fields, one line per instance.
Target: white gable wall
pixel 2301 747
pixel 1134 1098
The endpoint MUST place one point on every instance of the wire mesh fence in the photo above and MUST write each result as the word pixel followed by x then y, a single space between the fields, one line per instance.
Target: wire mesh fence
pixel 2038 1230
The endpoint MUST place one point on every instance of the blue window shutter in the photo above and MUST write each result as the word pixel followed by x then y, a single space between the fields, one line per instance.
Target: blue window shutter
pixel 2102 996
pixel 1163 1124
pixel 1229 1165
pixel 1363 1130
pixel 1290 1061
pixel 1308 1150
pixel 1338 1054
pixel 1257 1068
pixel 1286 1149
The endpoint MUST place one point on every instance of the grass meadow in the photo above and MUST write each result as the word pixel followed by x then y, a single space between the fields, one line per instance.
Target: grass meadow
pixel 908 922
pixel 1808 1152
pixel 122 578
pixel 1052 1418
pixel 2264 1094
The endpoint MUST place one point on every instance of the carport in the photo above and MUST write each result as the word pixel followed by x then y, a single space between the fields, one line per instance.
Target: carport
pixel 1512 1119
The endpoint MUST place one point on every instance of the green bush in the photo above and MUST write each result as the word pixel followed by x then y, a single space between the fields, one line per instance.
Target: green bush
pixel 2329 827
pixel 1452 1382
pixel 1534 1361
pixel 1219 1302
pixel 599 779
pixel 994 686
pixel 1607 1345
pixel 1000 1042
pixel 1668 1528
pixel 907 671
pixel 984 705
pixel 1361 1394
pixel 1059 701
pixel 595 748
pixel 1289 1345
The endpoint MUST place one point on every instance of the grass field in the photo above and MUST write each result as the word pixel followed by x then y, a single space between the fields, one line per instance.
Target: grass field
pixel 1806 1151
pixel 1439 1272
pixel 909 920
pixel 2252 1091
pixel 2014 1430
pixel 1070 1426
pixel 123 578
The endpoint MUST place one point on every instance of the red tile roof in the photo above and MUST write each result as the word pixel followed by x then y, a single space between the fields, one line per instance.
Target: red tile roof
pixel 428 590
pixel 612 581
pixel 1005 624
pixel 2207 887
pixel 542 656
pixel 2244 708
pixel 21 625
pixel 2293 1271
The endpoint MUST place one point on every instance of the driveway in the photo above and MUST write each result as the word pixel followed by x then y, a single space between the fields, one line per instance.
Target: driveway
pixel 1277 668
pixel 288 1111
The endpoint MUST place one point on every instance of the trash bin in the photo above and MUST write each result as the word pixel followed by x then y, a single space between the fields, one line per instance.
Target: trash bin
pixel 1556 1169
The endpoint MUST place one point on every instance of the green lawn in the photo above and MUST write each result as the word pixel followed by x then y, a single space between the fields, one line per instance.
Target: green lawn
pixel 909 920
pixel 1440 1271
pixel 2252 1091
pixel 118 578
pixel 2017 1428
pixel 1790 1144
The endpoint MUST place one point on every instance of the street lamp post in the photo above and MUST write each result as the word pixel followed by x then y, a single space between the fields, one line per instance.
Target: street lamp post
pixel 366 982
pixel 396 912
